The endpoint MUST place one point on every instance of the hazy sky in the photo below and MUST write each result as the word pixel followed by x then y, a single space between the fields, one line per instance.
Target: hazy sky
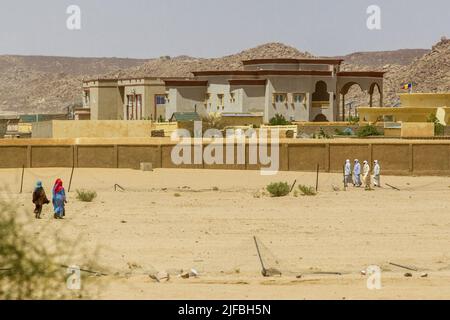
pixel 211 28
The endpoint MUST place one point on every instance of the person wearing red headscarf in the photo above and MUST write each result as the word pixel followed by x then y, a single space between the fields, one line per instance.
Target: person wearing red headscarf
pixel 59 199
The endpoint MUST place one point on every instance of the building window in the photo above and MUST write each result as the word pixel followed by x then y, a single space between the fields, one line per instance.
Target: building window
pixel 279 98
pixel 160 99
pixel 87 98
pixel 138 107
pixel 232 99
pixel 130 103
pixel 298 98
pixel 220 99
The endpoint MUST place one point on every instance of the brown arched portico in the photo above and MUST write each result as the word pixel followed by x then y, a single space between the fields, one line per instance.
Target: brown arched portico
pixel 365 89
pixel 345 89
pixel 367 81
pixel 372 91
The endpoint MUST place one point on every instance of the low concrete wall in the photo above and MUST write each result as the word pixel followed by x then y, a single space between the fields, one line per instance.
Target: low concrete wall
pixel 51 156
pixel 417 129
pixel 60 129
pixel 400 157
pixel 92 129
pixel 14 156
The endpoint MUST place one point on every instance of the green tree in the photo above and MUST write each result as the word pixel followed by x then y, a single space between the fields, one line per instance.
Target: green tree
pixel 368 131
pixel 279 120
pixel 438 127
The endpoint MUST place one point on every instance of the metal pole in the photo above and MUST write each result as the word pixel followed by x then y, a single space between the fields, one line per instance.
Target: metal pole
pixel 293 185
pixel 317 178
pixel 21 180
pixel 259 255
pixel 70 181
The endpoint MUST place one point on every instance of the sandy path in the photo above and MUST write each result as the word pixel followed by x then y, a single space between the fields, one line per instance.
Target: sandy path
pixel 147 225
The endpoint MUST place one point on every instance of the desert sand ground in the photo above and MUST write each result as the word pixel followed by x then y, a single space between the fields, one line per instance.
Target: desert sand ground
pixel 169 220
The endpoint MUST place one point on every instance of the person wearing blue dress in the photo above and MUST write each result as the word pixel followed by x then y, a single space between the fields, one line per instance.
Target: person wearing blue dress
pixel 59 199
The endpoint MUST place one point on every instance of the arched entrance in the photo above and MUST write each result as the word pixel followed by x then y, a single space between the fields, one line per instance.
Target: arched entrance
pixel 320 118
pixel 348 109
pixel 375 95
pixel 358 94
pixel 321 96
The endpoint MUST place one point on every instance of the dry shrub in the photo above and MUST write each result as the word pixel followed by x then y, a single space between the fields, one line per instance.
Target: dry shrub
pixel 278 189
pixel 86 195
pixel 307 190
pixel 29 269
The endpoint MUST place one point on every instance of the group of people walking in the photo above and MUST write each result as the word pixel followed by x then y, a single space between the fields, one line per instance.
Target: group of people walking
pixel 58 199
pixel 358 178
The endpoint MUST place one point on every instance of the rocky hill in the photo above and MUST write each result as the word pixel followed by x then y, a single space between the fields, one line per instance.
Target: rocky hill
pixel 376 59
pixel 428 73
pixel 183 65
pixel 30 84
pixel 48 84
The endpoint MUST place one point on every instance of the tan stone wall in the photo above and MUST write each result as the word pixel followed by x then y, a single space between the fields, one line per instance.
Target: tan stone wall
pixel 96 157
pixel 401 157
pixel 305 157
pixel 425 100
pixel 42 129
pixel 341 152
pixel 431 160
pixel 395 159
pixel 417 129
pixel 93 129
pixel 242 121
pixel 132 156
pixel 393 132
pixel 51 156
pixel 13 156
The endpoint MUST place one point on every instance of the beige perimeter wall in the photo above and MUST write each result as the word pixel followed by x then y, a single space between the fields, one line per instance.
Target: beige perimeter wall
pixel 396 157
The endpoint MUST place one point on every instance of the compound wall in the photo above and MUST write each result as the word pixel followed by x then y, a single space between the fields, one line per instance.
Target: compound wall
pixel 397 157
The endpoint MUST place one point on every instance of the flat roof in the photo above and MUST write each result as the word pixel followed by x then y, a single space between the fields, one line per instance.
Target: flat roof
pixel 243 114
pixel 186 83
pixel 166 141
pixel 9 117
pixel 261 73
pixel 293 61
pixel 370 74
pixel 405 109
pixel 131 78
pixel 99 79
pixel 247 82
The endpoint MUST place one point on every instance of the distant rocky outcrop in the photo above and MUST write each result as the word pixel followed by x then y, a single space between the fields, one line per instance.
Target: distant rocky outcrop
pixel 48 84
pixel 182 66
pixel 428 73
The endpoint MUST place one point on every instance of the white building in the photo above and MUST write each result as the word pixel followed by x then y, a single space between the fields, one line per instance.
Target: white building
pixel 298 89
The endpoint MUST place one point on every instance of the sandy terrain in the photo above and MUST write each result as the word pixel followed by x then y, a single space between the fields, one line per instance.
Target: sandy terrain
pixel 150 228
